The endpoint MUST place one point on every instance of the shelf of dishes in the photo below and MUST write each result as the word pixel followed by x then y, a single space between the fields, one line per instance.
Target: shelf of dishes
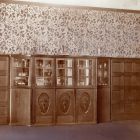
pixel 24 63
pixel 64 63
pixel 21 70
pixel 84 63
pixel 21 81
pixel 44 63
pixel 85 72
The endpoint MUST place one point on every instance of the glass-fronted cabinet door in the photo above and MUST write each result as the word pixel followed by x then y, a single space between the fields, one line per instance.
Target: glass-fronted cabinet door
pixel 86 90
pixel 64 72
pixel 85 72
pixel 21 71
pixel 44 72
pixel 103 91
pixel 103 72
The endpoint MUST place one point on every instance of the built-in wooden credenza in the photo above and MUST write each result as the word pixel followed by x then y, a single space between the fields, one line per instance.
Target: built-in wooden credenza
pixel 58 90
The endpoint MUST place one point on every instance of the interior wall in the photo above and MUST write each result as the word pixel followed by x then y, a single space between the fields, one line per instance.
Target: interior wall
pixel 30 29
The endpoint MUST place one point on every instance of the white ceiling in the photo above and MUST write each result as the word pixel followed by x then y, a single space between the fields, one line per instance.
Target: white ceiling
pixel 119 4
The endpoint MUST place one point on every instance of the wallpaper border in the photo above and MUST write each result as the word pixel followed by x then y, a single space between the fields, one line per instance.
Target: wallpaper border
pixel 69 6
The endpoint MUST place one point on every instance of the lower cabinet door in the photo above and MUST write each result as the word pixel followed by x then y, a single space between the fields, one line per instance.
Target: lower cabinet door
pixel 65 106
pixel 44 106
pixel 103 104
pixel 86 106
pixel 20 106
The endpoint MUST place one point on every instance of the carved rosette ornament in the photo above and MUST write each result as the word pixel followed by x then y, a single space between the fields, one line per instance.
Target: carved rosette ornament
pixel 43 101
pixel 84 102
pixel 64 103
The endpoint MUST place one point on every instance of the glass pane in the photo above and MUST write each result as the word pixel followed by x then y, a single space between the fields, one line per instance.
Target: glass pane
pixel 81 63
pixel 69 63
pixel 21 62
pixel 21 72
pixel 48 63
pixel 87 72
pixel 69 81
pixel 61 72
pixel 39 72
pixel 87 81
pixel 69 72
pixel 48 81
pixel 82 73
pixel 60 81
pixel 103 73
pixel 20 81
pixel 39 63
pixel 40 81
pixel 61 63
pixel 47 73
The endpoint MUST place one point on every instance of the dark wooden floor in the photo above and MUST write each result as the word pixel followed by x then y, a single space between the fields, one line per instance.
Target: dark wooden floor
pixel 128 130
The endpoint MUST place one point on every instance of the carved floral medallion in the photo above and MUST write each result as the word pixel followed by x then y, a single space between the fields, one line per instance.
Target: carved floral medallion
pixel 43 101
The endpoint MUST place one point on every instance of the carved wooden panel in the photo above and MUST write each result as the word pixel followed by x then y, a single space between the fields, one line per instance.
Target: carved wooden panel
pixel 65 106
pixel 20 106
pixel 44 106
pixel 85 106
pixel 4 89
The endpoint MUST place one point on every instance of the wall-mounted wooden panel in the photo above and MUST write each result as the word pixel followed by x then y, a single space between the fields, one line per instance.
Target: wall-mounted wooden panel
pixel 86 106
pixel 44 106
pixel 65 106
pixel 4 89
pixel 125 100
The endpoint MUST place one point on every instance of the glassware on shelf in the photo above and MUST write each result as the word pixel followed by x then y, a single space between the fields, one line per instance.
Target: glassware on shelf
pixel 18 81
pixel 44 71
pixel 103 73
pixel 39 81
pixel 61 63
pixel 20 71
pixel 61 81
pixel 48 64
pixel 84 72
pixel 64 72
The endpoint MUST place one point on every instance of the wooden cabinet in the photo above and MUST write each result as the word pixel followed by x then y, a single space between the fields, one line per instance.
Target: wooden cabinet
pixel 103 89
pixel 86 90
pixel 43 108
pixel 21 67
pixel 65 97
pixel 64 90
pixel 4 89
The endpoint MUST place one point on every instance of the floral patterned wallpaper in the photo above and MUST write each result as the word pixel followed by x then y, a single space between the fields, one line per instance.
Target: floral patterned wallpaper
pixel 29 29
